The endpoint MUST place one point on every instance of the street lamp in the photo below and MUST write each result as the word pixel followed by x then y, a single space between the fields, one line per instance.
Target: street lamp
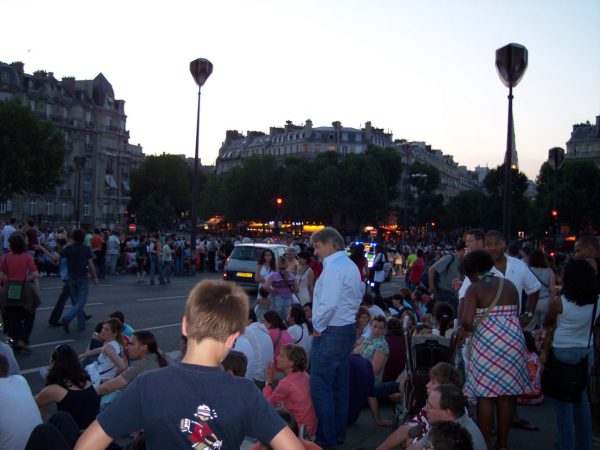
pixel 201 69
pixel 79 164
pixel 418 181
pixel 511 64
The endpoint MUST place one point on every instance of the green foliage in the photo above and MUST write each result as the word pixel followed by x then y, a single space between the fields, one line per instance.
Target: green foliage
pixel 32 152
pixel 390 166
pixel 521 215
pixel 577 195
pixel 160 190
pixel 468 210
pixel 347 191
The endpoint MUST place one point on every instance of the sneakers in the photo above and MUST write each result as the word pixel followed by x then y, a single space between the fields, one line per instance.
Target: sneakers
pixel 65 326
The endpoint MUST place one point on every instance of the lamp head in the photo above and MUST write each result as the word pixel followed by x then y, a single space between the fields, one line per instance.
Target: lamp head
pixel 201 69
pixel 511 64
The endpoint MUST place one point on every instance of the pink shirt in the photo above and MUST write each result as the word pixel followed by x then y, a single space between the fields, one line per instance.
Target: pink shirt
pixel 17 266
pixel 285 339
pixel 294 392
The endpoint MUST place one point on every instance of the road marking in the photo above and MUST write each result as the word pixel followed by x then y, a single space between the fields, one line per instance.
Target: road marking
pixel 44 344
pixel 60 287
pixel 158 327
pixel 45 308
pixel 159 298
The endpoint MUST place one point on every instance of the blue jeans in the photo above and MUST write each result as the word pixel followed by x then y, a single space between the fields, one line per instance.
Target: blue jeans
pixel 113 263
pixel 153 267
pixel 60 303
pixel 79 293
pixel 166 271
pixel 329 382
pixel 178 265
pixel 574 420
pixel 282 305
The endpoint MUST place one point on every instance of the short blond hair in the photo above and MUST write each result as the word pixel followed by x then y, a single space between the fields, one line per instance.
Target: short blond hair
pixel 216 309
pixel 328 234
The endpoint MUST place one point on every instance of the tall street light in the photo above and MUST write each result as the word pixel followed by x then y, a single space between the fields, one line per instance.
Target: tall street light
pixel 201 69
pixel 511 64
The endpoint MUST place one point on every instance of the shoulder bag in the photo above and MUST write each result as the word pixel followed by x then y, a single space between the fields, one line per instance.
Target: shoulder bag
pixel 563 381
pixel 295 298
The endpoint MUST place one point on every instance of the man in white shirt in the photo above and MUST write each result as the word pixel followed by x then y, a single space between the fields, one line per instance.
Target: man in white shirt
pixel 336 298
pixel 262 345
pixel 114 248
pixel 8 229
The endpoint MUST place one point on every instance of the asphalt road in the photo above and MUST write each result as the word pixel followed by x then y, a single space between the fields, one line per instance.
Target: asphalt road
pixel 160 308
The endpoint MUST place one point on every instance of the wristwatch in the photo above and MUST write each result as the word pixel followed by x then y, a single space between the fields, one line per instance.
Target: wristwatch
pixel 529 314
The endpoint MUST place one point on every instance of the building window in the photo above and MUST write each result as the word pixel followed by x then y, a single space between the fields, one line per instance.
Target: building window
pixel 87 186
pixel 86 209
pixel 6 207
pixel 49 208
pixel 48 111
pixel 65 113
pixel 64 210
pixel 358 137
pixel 32 208
pixel 88 117
pixel 344 150
pixel 344 137
pixel 88 139
pixel 318 135
pixel 32 105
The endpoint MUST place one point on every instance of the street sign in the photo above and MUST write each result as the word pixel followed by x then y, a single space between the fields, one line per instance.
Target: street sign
pixel 556 157
pixel 132 227
pixel 373 232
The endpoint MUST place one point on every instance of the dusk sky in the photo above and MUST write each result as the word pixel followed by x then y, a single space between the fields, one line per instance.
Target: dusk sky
pixel 422 69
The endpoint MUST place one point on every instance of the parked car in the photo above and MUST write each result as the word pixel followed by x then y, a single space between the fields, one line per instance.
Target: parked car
pixel 241 264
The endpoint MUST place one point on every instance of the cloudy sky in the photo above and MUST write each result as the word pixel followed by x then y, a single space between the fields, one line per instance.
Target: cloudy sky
pixel 421 69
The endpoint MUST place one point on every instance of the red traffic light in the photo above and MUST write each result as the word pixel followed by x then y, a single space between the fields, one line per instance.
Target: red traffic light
pixel 433 224
pixel 554 213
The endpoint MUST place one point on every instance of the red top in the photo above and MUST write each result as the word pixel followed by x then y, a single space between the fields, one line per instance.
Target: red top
pixel 361 268
pixel 416 271
pixel 316 267
pixel 16 267
pixel 294 392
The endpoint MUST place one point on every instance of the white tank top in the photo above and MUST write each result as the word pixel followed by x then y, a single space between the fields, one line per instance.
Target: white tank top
pixel 573 325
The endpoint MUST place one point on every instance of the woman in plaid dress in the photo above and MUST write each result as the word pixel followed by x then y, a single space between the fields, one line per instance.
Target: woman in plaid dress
pixel 497 371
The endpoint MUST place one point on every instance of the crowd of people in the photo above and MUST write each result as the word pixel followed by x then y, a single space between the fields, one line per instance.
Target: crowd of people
pixel 294 366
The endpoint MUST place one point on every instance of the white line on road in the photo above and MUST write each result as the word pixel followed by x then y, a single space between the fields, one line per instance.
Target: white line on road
pixel 159 298
pixel 50 288
pixel 45 344
pixel 68 306
pixel 158 327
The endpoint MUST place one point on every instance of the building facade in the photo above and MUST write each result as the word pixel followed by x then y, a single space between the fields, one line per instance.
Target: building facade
pixel 584 143
pixel 99 158
pixel 303 141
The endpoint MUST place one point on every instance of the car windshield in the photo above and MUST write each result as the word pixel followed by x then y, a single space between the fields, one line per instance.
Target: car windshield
pixel 246 253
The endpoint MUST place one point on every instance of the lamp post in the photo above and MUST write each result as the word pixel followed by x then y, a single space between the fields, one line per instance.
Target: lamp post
pixel 511 64
pixel 79 164
pixel 418 181
pixel 201 69
pixel 556 159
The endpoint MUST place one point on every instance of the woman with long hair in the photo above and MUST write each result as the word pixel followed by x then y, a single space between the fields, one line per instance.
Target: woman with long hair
pixel 357 255
pixel 279 335
pixel 264 266
pixel 306 278
pixel 568 324
pixel 111 356
pixel 19 298
pixel 282 285
pixel 299 327
pixel 69 386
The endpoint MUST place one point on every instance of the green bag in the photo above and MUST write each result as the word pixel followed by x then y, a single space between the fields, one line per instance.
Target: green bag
pixel 14 291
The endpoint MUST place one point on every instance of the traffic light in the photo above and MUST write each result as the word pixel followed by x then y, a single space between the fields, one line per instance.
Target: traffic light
pixel 554 213
pixel 433 224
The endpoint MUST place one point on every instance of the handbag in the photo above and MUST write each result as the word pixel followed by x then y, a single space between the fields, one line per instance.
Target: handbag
pixel 563 381
pixel 379 264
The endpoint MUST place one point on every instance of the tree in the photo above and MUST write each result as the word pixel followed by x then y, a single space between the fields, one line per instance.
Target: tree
pixel 160 190
pixel 425 180
pixel 468 210
pixel 33 152
pixel 390 166
pixel 521 208
pixel 577 192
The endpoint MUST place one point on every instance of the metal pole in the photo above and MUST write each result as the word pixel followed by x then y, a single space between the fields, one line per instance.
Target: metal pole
pixel 195 181
pixel 78 200
pixel 507 170
pixel 554 219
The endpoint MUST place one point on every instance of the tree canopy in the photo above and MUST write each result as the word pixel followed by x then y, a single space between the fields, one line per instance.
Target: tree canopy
pixel 33 152
pixel 160 190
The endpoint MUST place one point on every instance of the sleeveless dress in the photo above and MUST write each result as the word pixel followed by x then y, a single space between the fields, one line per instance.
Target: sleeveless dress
pixel 303 292
pixel 498 364
pixel 259 309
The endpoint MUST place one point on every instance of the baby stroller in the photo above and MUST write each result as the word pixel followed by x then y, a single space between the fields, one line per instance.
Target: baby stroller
pixel 422 353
